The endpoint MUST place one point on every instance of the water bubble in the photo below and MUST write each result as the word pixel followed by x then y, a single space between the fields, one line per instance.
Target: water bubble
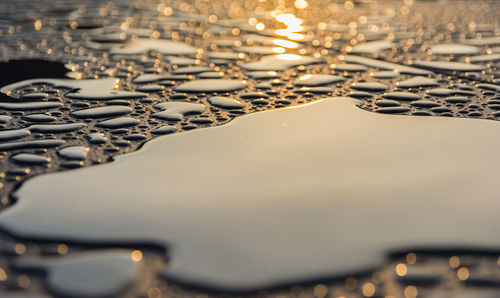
pixel 39 118
pixel 393 110
pixel 226 102
pixel 81 89
pixel 401 96
pixel 31 159
pixel 369 86
pixel 119 122
pixel 317 80
pixel 175 111
pixel 13 134
pixel 28 106
pixel 417 82
pixel 56 128
pixel 210 85
pixel 49 143
pixel 163 130
pixel 279 62
pixel 101 112
pixel 453 49
pixel 349 67
pixel 447 66
pixel 97 138
pixel 373 47
pixel 385 65
pixel 74 152
pixel 142 46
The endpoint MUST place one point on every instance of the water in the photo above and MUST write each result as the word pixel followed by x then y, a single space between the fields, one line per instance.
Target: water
pixel 369 86
pixel 81 89
pixel 142 46
pixel 454 49
pixel 226 102
pixel 373 47
pixel 402 96
pixel 418 81
pixel 48 143
pixel 175 111
pixel 344 221
pixel 102 112
pixel 89 274
pixel 26 158
pixel 119 122
pixel 211 85
pixel 279 62
pixel 448 66
pixel 74 152
pixel 129 72
pixel 317 80
pixel 385 65
pixel 483 58
pixel 27 106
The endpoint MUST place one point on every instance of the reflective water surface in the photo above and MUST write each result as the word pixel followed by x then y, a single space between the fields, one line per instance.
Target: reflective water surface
pixel 319 190
pixel 270 182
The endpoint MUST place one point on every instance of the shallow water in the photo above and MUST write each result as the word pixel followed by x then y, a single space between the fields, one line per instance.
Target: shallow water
pixel 359 186
pixel 90 81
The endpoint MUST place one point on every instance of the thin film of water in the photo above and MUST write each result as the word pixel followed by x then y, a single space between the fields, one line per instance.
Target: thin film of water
pixel 83 83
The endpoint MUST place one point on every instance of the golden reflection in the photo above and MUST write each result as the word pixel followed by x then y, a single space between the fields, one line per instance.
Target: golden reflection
pixel 62 249
pixel 23 281
pixel 368 289
pixel 38 25
pixel 279 50
pixel 463 273
pixel 136 255
pixel 117 84
pixel 305 77
pixel 320 291
pixel 288 57
pixel 411 258
pixel 411 292
pixel 454 262
pixel 20 248
pixel 286 43
pixel 154 293
pixel 3 274
pixel 401 269
pixel 293 26
pixel 351 283
pixel 300 4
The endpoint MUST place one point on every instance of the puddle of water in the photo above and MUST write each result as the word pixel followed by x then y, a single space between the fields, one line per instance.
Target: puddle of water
pixel 88 274
pixel 276 197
